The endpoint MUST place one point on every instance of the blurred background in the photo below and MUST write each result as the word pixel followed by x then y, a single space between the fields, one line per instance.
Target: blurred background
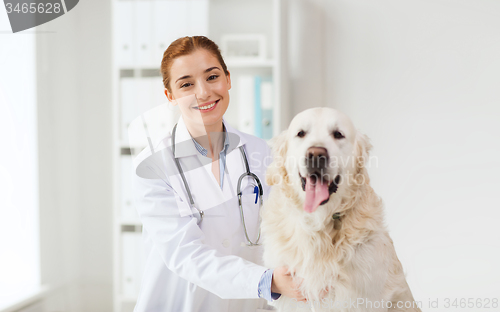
pixel 420 78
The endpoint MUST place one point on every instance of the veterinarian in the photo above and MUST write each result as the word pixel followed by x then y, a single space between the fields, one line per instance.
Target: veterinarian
pixel 200 255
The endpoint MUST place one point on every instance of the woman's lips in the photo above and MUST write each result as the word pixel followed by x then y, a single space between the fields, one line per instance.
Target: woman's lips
pixel 207 108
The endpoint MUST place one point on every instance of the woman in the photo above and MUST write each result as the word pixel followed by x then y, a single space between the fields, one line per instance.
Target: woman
pixel 198 254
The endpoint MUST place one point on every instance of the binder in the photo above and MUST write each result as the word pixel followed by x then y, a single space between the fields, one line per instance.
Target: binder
pixel 157 90
pixel 257 107
pixel 124 33
pixel 128 99
pixel 138 95
pixel 160 116
pixel 128 213
pixel 147 111
pixel 246 102
pixel 143 37
pixel 132 264
pixel 169 23
pixel 266 93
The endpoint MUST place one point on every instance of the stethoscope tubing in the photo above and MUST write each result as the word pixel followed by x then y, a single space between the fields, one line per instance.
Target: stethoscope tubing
pixel 247 173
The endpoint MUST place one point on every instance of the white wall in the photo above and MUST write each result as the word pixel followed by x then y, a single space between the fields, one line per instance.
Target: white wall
pixel 306 54
pixel 19 241
pixel 75 147
pixel 421 79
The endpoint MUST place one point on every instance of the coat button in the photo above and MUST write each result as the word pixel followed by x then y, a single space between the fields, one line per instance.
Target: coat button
pixel 226 243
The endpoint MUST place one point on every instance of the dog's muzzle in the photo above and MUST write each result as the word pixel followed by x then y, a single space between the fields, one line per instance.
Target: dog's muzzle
pixel 317 184
pixel 316 163
pixel 316 160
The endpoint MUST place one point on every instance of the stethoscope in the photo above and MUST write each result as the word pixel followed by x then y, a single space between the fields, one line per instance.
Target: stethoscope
pixel 201 214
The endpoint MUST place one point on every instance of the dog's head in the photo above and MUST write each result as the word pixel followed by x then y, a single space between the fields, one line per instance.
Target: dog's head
pixel 319 155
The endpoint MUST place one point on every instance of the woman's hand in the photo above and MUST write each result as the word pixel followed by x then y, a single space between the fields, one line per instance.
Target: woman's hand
pixel 284 284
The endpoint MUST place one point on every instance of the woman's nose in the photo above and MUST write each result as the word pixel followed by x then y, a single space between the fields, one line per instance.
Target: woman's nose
pixel 203 91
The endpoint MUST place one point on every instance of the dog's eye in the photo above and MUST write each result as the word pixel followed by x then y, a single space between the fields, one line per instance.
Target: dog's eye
pixel 301 134
pixel 338 135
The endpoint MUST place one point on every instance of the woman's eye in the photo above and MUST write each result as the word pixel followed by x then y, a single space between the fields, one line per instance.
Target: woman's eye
pixel 212 77
pixel 185 85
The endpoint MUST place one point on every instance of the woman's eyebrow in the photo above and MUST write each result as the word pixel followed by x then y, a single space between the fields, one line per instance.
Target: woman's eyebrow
pixel 211 68
pixel 183 77
pixel 206 71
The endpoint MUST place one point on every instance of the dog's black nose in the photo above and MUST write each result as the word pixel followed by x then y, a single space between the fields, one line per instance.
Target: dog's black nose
pixel 316 159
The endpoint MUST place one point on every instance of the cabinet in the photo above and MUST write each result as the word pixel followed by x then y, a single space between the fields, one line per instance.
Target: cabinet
pixel 142 30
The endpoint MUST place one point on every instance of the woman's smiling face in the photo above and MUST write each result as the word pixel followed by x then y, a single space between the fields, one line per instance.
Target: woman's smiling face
pixel 200 87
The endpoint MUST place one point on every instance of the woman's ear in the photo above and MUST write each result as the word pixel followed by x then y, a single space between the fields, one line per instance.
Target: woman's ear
pixel 362 154
pixel 276 171
pixel 170 97
pixel 228 80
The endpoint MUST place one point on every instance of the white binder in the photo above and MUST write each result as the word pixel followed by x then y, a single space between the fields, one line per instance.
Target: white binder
pixel 128 213
pixel 163 115
pixel 246 103
pixel 173 19
pixel 128 100
pixel 132 264
pixel 157 91
pixel 124 33
pixel 170 23
pixel 136 98
pixel 266 94
pixel 143 36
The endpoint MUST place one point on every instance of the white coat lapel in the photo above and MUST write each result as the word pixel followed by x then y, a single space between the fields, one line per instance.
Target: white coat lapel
pixel 197 170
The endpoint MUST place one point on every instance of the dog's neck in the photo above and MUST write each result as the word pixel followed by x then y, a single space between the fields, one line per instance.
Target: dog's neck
pixel 360 213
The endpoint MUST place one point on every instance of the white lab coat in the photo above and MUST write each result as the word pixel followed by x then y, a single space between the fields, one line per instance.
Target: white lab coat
pixel 204 267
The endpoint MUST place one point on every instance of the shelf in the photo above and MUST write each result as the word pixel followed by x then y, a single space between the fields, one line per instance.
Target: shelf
pixel 126 150
pixel 138 72
pixel 133 226
pixel 130 223
pixel 140 26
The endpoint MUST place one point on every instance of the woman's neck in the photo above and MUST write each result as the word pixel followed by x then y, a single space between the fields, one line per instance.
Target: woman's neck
pixel 210 137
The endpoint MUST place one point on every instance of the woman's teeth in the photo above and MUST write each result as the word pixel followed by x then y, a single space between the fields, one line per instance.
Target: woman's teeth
pixel 207 106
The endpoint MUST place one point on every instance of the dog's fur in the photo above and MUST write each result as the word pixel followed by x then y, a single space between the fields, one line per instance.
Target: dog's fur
pixel 351 257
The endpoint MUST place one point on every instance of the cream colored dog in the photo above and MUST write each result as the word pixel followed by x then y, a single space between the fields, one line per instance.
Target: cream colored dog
pixel 325 223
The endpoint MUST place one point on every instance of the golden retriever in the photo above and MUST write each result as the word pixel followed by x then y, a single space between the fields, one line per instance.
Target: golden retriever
pixel 325 223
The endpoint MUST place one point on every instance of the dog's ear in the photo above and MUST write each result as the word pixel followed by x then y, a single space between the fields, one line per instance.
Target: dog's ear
pixel 276 171
pixel 362 152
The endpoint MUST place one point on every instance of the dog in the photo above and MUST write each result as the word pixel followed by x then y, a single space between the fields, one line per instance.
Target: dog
pixel 325 223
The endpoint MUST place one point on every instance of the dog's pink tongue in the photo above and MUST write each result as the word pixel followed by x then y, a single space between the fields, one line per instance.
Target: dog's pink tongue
pixel 316 193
